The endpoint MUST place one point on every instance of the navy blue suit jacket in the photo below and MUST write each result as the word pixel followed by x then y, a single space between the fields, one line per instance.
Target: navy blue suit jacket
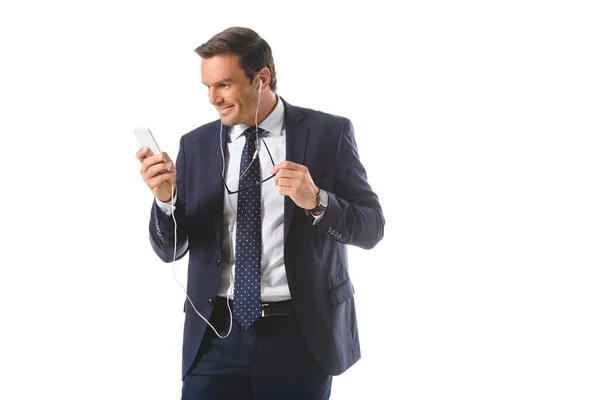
pixel 315 257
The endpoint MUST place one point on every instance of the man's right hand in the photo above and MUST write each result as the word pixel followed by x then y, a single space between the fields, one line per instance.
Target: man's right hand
pixel 160 183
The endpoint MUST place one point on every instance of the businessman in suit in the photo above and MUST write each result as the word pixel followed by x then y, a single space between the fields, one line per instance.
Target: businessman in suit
pixel 265 201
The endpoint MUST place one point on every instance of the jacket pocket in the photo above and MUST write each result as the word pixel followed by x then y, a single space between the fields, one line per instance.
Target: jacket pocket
pixel 341 293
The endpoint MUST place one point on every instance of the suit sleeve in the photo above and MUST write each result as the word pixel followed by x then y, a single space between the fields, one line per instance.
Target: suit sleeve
pixel 354 215
pixel 162 226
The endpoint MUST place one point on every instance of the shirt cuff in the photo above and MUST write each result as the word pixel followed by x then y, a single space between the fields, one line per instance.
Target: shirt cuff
pixel 316 218
pixel 166 208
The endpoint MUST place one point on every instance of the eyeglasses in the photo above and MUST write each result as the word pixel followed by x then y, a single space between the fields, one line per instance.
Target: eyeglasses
pixel 222 170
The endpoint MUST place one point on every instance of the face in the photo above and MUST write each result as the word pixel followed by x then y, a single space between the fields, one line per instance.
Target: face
pixel 229 89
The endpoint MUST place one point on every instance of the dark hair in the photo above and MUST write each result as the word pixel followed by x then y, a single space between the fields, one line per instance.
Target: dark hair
pixel 252 51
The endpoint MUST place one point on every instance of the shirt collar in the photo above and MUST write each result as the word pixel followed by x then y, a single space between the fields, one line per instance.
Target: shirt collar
pixel 273 124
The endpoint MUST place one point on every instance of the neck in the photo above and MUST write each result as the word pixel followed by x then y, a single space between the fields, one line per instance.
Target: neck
pixel 268 101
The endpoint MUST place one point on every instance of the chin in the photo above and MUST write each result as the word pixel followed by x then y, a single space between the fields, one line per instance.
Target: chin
pixel 228 120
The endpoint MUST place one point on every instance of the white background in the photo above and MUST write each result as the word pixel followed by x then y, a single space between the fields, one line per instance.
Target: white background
pixel 478 124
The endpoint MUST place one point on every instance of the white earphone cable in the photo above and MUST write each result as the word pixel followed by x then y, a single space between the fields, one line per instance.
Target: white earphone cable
pixel 231 225
pixel 186 295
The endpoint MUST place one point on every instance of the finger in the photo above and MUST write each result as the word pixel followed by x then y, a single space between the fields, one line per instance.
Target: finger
pixel 286 191
pixel 156 181
pixel 158 169
pixel 285 173
pixel 285 182
pixel 142 153
pixel 285 165
pixel 152 160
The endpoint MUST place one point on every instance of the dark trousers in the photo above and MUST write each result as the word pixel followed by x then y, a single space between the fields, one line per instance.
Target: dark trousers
pixel 267 361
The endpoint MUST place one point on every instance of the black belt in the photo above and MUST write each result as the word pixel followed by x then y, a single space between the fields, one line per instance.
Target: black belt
pixel 276 309
pixel 270 309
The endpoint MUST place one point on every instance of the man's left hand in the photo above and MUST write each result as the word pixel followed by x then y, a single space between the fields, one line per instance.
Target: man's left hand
pixel 295 181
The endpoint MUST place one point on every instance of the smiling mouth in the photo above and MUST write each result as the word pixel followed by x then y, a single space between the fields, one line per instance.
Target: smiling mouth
pixel 222 110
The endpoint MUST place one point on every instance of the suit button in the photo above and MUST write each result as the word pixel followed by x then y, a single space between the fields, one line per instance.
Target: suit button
pixel 218 262
pixel 210 302
pixel 329 230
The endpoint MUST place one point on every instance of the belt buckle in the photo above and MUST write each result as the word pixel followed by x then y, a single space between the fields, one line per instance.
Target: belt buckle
pixel 277 309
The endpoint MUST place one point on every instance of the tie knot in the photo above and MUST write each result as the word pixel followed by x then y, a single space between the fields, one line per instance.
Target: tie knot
pixel 252 132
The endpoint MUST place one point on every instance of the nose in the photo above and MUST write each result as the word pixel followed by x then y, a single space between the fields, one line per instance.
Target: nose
pixel 214 96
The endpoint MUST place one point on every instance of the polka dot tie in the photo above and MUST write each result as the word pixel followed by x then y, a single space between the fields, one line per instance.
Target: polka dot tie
pixel 246 297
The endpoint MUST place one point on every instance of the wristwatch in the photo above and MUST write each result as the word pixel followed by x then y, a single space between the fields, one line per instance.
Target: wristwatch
pixel 322 201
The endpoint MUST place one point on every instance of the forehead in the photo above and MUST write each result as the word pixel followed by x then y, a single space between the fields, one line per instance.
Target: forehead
pixel 219 68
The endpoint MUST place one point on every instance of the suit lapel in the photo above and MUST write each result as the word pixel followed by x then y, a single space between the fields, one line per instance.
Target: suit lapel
pixel 216 177
pixel 296 135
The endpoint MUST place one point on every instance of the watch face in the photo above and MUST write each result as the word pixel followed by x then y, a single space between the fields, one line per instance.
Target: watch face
pixel 323 198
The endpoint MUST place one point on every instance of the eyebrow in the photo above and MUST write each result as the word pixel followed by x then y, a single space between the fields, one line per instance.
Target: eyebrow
pixel 226 80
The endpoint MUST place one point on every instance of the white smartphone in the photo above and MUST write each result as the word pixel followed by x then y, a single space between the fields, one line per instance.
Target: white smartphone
pixel 146 139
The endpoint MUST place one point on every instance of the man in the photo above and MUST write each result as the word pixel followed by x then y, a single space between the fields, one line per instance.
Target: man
pixel 266 214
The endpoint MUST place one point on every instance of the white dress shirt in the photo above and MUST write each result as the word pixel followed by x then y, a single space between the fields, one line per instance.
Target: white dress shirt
pixel 274 285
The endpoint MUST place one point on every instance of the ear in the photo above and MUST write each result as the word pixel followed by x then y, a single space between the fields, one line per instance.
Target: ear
pixel 264 76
